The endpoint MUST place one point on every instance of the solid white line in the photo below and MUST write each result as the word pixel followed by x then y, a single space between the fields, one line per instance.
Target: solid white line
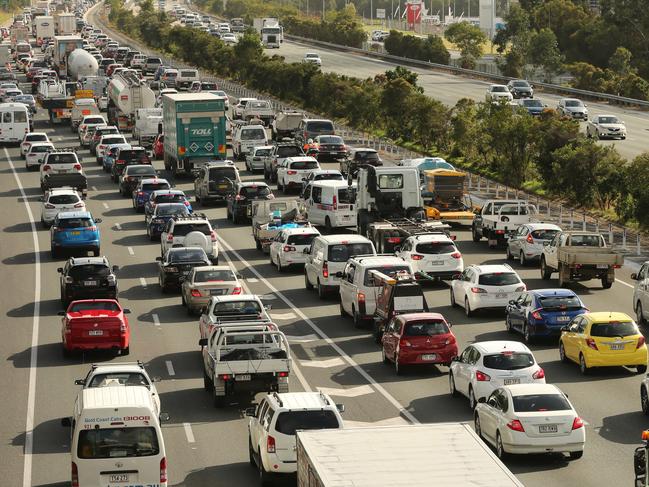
pixel 105 205
pixel 625 283
pixel 189 433
pixel 378 387
pixel 252 279
pixel 94 188
pixel 142 282
pixel 33 357
pixel 156 319
pixel 131 251
pixel 170 368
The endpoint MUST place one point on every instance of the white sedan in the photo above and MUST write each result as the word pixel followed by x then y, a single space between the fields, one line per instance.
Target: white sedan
pixel 289 246
pixel 312 58
pixel 482 367
pixel 496 93
pixel 606 126
pixel 531 418
pixel 29 139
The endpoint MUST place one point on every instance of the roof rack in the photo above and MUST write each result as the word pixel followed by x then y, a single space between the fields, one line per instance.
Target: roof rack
pixel 138 362
pixel 278 399
pixel 191 216
pixel 324 398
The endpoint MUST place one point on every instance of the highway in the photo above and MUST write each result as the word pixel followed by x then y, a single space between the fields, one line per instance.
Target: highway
pixel 206 446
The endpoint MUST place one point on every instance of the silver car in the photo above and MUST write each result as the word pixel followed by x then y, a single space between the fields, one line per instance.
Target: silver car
pixel 527 243
pixel 206 281
pixel 573 107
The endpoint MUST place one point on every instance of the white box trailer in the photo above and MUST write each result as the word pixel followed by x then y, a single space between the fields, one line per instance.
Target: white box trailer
pixel 442 454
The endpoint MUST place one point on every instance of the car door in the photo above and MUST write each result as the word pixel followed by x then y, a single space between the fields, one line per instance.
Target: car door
pixel 405 251
pixel 461 372
pixel 489 416
pixel 275 246
pixel 316 213
pixel 391 338
pixel 642 289
pixel 517 311
pixel 314 260
pixel 347 287
pixel 550 252
pixel 255 423
pixel 569 339
pixel 518 242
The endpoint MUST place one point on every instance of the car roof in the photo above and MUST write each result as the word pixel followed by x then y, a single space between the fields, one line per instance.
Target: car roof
pixel 301 231
pixel 347 238
pixel 159 192
pixel 136 166
pixel 248 184
pixel 74 214
pixel 41 143
pixel 552 292
pixel 300 159
pixel 531 389
pixel 432 237
pixel 40 134
pixel 62 191
pixel 607 317
pixel 495 346
pixel 420 316
pixel 302 400
pixel 486 268
pixel 117 367
pixel 542 226
pixel 383 260
pixel 335 183
pixel 233 298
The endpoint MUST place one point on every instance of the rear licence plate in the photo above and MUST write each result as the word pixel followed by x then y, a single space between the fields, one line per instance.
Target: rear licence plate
pixel 430 356
pixel 602 266
pixel 89 283
pixel 509 382
pixel 548 428
pixel 617 346
pixel 118 477
pixel 242 377
pixel 501 295
pixel 563 318
pixel 75 233
pixel 95 333
pixel 217 292
pixel 436 262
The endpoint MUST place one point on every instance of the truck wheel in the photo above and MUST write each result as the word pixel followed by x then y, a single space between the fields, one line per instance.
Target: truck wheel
pixel 328 226
pixel 475 235
pixel 562 279
pixel 606 282
pixel 207 382
pixel 251 454
pixel 219 401
pixel 377 333
pixel 258 245
pixel 546 272
pixel 264 477
pixel 321 291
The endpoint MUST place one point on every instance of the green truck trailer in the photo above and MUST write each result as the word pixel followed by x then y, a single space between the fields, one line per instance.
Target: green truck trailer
pixel 194 128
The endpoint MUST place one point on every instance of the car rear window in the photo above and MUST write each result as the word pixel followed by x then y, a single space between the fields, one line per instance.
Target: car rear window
pixel 343 252
pixel 435 248
pixel 63 199
pixel 75 223
pixel 169 210
pixel 614 329
pixel 140 171
pixel 544 234
pixel 330 139
pixel 425 328
pixel 94 306
pixel 113 140
pixel 188 255
pixel 253 134
pixel 36 137
pixel 255 191
pixel 390 181
pixel 89 270
pixel 366 156
pixel 94 120
pixel 169 198
pixel 289 422
pixel 62 159
pixel 221 174
pixel 216 275
pixel 41 148
pixel 182 229
pixel 134 155
pixel 508 360
pixel 141 441
pixel 559 303
pixel 329 176
pixel 540 402
pixel 289 151
pixel 155 186
pixel 304 165
pixel 388 270
pixel 320 126
pixel 498 279
pixel 188 74
pixel 237 308
pixel 263 152
pixel 301 239
pixel 586 241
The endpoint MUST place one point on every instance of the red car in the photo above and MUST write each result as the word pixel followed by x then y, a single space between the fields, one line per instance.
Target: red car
pixel 95 324
pixel 418 339
pixel 158 147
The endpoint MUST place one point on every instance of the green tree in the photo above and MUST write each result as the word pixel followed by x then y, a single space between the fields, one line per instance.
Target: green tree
pixel 470 41
pixel 620 62
pixel 555 132
pixel 543 52
pixel 512 41
pixel 637 181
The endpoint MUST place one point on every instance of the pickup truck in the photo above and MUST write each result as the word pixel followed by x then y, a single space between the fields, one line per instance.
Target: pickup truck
pixel 74 180
pixel 498 220
pixel 252 357
pixel 232 309
pixel 261 109
pixel 580 256
pixel 269 217
pixel 285 124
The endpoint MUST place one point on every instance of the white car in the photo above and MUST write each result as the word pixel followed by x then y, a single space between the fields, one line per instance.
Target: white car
pixel 312 58
pixel 485 287
pixel 496 93
pixel 292 170
pixel 482 367
pixel 60 199
pixel 229 38
pixel 526 244
pixel 10 95
pixel 192 230
pixel 105 141
pixel 90 120
pixel 60 162
pixel 36 154
pixel 237 111
pixel 289 245
pixel 529 419
pixel 606 126
pixel 432 254
pixel 29 139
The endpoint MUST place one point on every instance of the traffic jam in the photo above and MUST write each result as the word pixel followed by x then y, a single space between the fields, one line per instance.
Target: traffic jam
pixel 275 261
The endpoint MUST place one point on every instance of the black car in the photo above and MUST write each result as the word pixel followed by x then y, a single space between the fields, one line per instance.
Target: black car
pixel 330 147
pixel 359 158
pixel 128 157
pixel 87 278
pixel 162 213
pixel 176 265
pixel 519 88
pixel 240 200
pixel 132 175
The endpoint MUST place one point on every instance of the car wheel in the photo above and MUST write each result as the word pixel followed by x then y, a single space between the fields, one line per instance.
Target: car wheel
pixel 467 308
pixel 307 284
pixel 576 455
pixel 641 369
pixel 478 429
pixel 644 400
pixel 500 449
pixel 509 254
pixel 95 252
pixel 321 290
pixel 264 477
pixel 583 368
pixel 251 454
pixel 562 353
pixel 475 235
pixel 66 353
pixel 54 253
pixel 453 303
pixel 126 351
pixel 398 370
pixel 545 271
pixel 328 226
pixel 597 135
pixel 384 357
pixel 182 299
pixel 163 285
pixel 472 401
pixel 451 384
pixel 522 259
pixel 207 382
pixel 280 267
pixel 342 310
pixel 358 322
pixel 640 314
pixel 284 188
pixel 526 334
pixel 606 284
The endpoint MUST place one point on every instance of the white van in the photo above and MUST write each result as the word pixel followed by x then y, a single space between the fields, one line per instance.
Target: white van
pixel 246 138
pixel 14 122
pixel 116 438
pixel 330 203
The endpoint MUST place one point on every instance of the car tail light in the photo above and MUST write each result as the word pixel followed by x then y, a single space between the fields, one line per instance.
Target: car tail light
pixel 500 232
pixel 521 289
pixel 478 290
pixel 74 475
pixel 291 173
pixel 212 233
pixel 196 293
pixel 539 374
pixel 282 374
pixel 456 255
pixel 49 206
pixel 360 296
pixel 536 314
pixel 530 239
pixel 140 193
pixel 225 376
pixel 239 197
pixel 416 257
pixel 481 376
pixel 170 237
pixel 450 340
pixel 77 167
pixel 591 343
pixel 516 425
pixel 78 205
pixel 577 423
pixel 325 270
pixel 641 341
pixel 47 167
pixel 236 290
pixel 335 203
pixel 404 343
pixel 68 330
pixel 270 444
pixel 289 248
pixel 163 469
pixel 122 327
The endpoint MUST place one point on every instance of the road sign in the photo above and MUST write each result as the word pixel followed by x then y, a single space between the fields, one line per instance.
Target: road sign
pixel 380 13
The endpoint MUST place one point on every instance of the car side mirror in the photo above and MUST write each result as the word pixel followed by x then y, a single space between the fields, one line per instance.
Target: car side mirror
pixel 512 302
pixel 164 417
pixel 482 400
pixel 115 268
pixel 239 276
pixel 59 269
pixel 455 359
pixel 397 249
pixel 340 408
pixel 40 198
pixel 251 411
pixel 159 259
pixel 126 311
pixel 66 422
pixel 202 342
pixel 80 382
pixel 340 274
pixel 61 313
pixel 634 276
pixel 268 307
pixel 546 244
pixel 565 328
pixel 456 277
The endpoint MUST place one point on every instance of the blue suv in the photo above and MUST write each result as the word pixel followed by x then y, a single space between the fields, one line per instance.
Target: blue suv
pixel 74 231
pixel 543 312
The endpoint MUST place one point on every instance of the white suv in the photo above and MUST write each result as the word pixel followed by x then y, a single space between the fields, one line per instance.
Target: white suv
pixel 293 170
pixel 289 246
pixel 59 162
pixel 29 139
pixel 434 255
pixel 273 423
pixel 358 291
pixel 190 231
pixel 327 258
pixel 485 286
pixel 60 199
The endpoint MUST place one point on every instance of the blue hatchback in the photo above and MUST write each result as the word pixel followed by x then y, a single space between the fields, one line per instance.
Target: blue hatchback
pixel 143 190
pixel 74 231
pixel 543 312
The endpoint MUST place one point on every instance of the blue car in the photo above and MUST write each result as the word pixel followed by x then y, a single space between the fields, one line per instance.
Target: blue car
pixel 166 196
pixel 543 312
pixel 534 106
pixel 143 190
pixel 162 213
pixel 109 155
pixel 74 231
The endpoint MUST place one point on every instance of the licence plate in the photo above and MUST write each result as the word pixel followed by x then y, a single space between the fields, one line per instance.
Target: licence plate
pixel 548 428
pixel 95 333
pixel 602 266
pixel 436 262
pixel 509 382
pixel 430 356
pixel 75 233
pixel 242 377
pixel 89 283
pixel 217 292
pixel 118 477
pixel 501 295
pixel 563 318
pixel 617 346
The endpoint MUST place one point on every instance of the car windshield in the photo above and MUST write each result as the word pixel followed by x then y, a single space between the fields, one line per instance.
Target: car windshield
pixel 574 103
pixel 169 210
pixel 94 306
pixel 498 279
pixel 540 403
pixel 289 151
pixel 75 223
pixel 169 198
pixel 289 422
pixel 255 191
pixel 521 84
pixel 216 275
pixel 330 139
pixel 435 248
pixel 366 156
pixel 508 360
pixel 188 74
pixel 140 171
pixel 253 134
pixel 388 270
pixel 62 159
pixel 608 120
pixel 425 328
pixel 301 239
pixel 155 186
pixel 498 89
pixel 343 252
pixel 614 329
pixel 390 181
pixel 182 229
pixel 304 165
pixel 586 241
pixel 559 303
pixel 544 234
pixel 63 199
pixel 41 148
pixel 118 443
pixel 222 174
pixel 89 270
pixel 36 138
pixel 113 140
pixel 188 255
pixel 320 126
pixel 533 103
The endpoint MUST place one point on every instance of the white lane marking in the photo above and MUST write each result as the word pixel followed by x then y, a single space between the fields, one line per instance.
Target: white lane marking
pixel 94 188
pixel 350 392
pixel 189 433
pixel 283 316
pixel 131 251
pixel 396 421
pixel 170 368
pixel 105 205
pixel 378 387
pixel 323 364
pixel 302 338
pixel 33 356
pixel 143 282
pixel 118 226
pixel 625 283
pixel 252 279
pixel 156 319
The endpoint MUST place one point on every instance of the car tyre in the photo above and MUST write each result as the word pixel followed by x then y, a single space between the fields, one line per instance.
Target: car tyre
pixel 576 455
pixel 606 284
pixel 644 400
pixel 358 321
pixel 500 449
pixel 398 370
pixel 328 226
pixel 509 254
pixel 96 252
pixel 66 353
pixel 321 291
pixel 467 308
pixel 453 303
pixel 522 259
pixel 307 284
pixel 451 385
pixel 640 314
pixel 527 337
pixel 641 369
pixel 280 267
pixel 562 353
pixel 472 402
pixel 126 351
pixel 384 357
pixel 583 367
pixel 546 273
pixel 251 454
pixel 476 426
pixel 508 324
pixel 475 235
pixel 207 382
pixel 264 476
pixel 342 310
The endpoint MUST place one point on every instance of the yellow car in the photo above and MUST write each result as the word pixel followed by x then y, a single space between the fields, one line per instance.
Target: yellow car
pixel 604 339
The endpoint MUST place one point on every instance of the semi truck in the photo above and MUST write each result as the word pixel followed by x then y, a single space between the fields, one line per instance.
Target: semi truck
pixel 442 454
pixel 66 24
pixel 43 28
pixel 194 130
pixel 127 93
pixel 270 31
pixel 82 64
pixel 63 47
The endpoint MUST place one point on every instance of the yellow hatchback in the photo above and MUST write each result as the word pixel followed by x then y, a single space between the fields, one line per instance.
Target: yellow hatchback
pixel 603 340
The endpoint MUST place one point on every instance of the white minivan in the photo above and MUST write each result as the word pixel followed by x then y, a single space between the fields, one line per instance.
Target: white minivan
pixel 116 438
pixel 330 203
pixel 14 122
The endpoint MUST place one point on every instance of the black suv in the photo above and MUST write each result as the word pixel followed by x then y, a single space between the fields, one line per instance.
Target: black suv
pixel 359 158
pixel 87 278
pixel 240 200
pixel 128 157
pixel 176 265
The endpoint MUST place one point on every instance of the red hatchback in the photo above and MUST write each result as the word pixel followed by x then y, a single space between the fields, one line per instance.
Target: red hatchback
pixel 95 324
pixel 418 339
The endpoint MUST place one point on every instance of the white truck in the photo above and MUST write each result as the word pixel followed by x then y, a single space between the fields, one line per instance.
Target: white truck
pixel 441 454
pixel 259 109
pixel 249 357
pixel 44 27
pixel 66 24
pixel 286 123
pixel 145 127
pixel 269 217
pixel 270 31
pixel 126 94
pixel 498 220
